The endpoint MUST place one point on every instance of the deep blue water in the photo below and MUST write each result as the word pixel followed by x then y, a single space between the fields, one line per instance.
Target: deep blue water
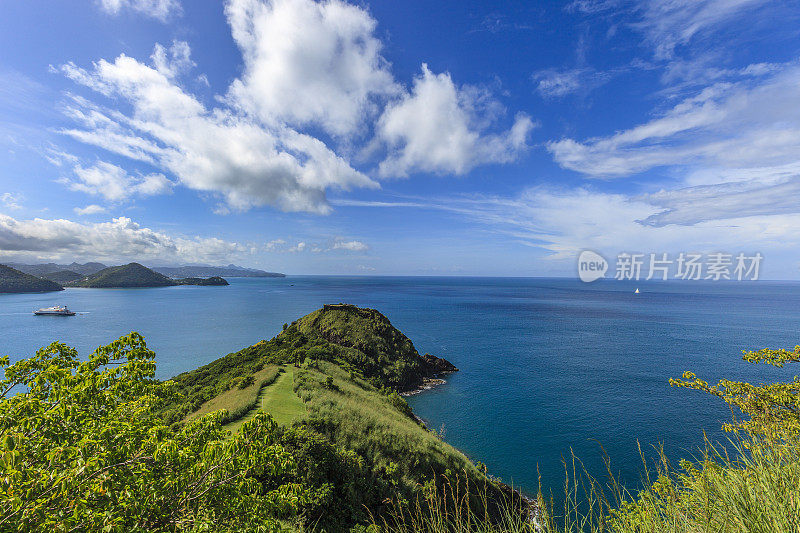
pixel 547 365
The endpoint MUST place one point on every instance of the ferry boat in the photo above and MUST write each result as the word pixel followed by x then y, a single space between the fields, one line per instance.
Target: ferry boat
pixel 56 310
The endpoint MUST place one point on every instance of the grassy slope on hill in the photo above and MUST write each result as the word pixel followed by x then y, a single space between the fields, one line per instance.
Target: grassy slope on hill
pixel 377 426
pixel 241 397
pixel 278 399
pixel 12 280
pixel 351 362
pixel 358 340
pixel 131 275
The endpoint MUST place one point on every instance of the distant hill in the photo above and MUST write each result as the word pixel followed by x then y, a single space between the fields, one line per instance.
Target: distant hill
pixel 125 276
pixel 231 271
pixel 12 280
pixel 134 275
pixel 48 268
pixel 62 276
pixel 213 280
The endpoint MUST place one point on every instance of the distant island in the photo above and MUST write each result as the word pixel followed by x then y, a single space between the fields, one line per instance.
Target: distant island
pixel 213 280
pixel 49 271
pixel 46 277
pixel 134 275
pixel 13 281
pixel 231 271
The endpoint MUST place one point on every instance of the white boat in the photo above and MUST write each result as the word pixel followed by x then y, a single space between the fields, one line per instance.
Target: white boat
pixel 636 291
pixel 56 310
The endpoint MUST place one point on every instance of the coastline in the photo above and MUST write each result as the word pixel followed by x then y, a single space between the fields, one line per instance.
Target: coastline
pixel 427 384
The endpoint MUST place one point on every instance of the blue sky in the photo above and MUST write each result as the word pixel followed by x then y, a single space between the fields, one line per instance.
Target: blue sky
pixel 419 138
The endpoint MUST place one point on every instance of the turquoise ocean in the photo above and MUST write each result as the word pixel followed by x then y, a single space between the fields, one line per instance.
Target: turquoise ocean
pixel 547 366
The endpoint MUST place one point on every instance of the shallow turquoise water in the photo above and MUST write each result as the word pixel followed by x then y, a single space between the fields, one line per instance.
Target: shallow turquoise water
pixel 547 365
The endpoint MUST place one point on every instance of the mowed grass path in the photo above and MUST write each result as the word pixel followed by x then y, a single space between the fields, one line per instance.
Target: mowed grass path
pixel 277 399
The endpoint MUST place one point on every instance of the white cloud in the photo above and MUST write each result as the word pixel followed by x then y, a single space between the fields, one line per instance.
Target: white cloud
pixel 308 62
pixel 114 183
pixel 765 194
pixel 669 24
pixel 174 61
pixel 92 209
pixel 337 244
pixel 158 9
pixel 350 246
pixel 745 125
pixel 119 239
pixel 208 150
pixel 438 128
pixel 555 83
pixel 565 222
pixel 10 201
pixel 275 245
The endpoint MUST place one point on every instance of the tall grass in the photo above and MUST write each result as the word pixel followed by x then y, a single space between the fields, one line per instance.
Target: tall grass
pixel 452 506
pixel 751 486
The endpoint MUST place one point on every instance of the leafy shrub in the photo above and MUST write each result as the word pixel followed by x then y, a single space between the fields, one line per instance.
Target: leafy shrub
pixel 81 449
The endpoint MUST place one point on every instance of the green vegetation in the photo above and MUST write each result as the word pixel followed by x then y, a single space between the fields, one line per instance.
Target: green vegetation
pixel 82 450
pixel 277 398
pixel 12 280
pixel 280 400
pixel 241 397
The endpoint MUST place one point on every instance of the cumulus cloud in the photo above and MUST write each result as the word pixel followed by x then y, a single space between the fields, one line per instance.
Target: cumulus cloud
pixel 437 127
pixel 750 124
pixel 92 209
pixel 308 62
pixel 158 9
pixel 119 239
pixel 213 150
pixel 307 66
pixel 114 183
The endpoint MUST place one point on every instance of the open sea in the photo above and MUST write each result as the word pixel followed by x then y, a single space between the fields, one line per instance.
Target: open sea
pixel 546 365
